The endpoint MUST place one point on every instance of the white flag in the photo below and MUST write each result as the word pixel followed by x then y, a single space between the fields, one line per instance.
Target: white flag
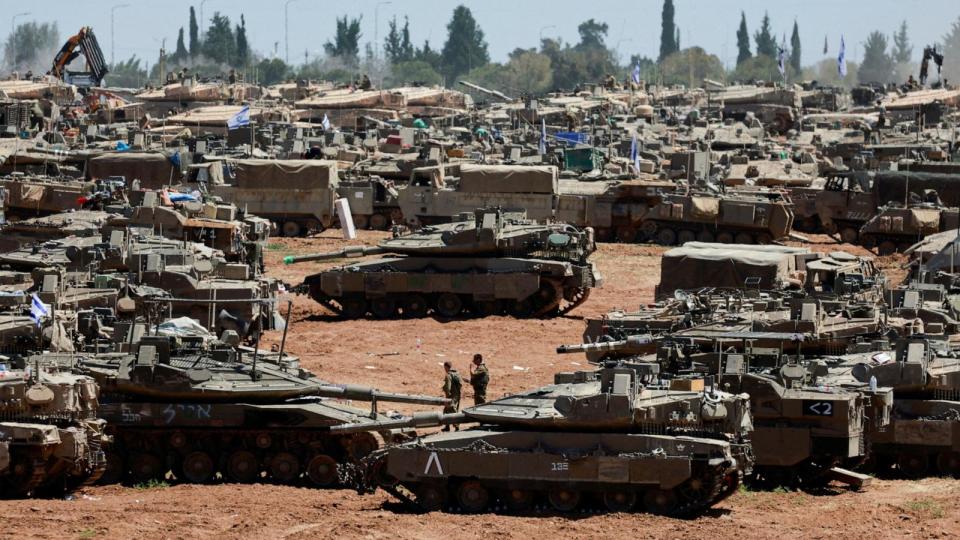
pixel 842 59
pixel 38 310
pixel 240 119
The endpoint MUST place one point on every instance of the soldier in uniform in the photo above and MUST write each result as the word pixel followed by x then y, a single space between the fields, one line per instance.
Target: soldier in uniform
pixel 451 390
pixel 479 379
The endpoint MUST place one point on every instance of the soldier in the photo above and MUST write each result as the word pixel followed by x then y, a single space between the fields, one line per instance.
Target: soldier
pixel 479 379
pixel 451 390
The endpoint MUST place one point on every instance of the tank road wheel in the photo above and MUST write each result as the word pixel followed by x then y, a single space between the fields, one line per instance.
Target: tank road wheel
pixel 706 236
pixel 563 499
pixel 383 307
pixel 660 501
pixel 521 309
pixel 473 497
pixel 949 463
pixel 685 236
pixel 291 229
pixel 764 238
pixel 242 467
pixel 518 500
pixel 619 500
pixel 114 470
pixel 743 238
pixel 626 234
pixel 145 466
pixel 198 467
pixel 353 308
pixel 666 237
pixel 322 470
pixel 24 474
pixel 913 464
pixel 724 238
pixel 648 230
pixel 284 467
pixel 361 221
pixel 868 241
pixel 359 445
pixel 887 248
pixel 379 222
pixel 449 305
pixel 697 490
pixel 414 306
pixel 849 235
pixel 431 497
pixel 488 308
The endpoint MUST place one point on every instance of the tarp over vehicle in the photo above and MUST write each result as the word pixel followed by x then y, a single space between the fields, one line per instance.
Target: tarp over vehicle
pixel 153 169
pixel 286 174
pixel 690 267
pixel 893 186
pixel 508 179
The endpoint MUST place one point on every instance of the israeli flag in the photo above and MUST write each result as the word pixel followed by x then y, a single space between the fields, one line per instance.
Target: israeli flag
pixel 325 123
pixel 240 119
pixel 781 66
pixel 636 73
pixel 842 59
pixel 543 137
pixel 38 310
pixel 635 152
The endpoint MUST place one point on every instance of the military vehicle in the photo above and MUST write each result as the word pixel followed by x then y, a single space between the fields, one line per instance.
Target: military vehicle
pixel 592 436
pixel 201 407
pixel 777 107
pixel 489 263
pixel 895 228
pixel 50 437
pixel 32 196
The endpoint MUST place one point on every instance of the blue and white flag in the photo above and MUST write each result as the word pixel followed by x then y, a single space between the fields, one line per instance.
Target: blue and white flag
pixel 543 137
pixel 635 152
pixel 38 310
pixel 325 123
pixel 781 66
pixel 240 119
pixel 842 59
pixel 636 73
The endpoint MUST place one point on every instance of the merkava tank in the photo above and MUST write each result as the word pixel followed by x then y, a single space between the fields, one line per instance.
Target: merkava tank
pixel 487 264
pixel 50 437
pixel 32 196
pixel 895 228
pixel 806 431
pixel 592 436
pixel 200 407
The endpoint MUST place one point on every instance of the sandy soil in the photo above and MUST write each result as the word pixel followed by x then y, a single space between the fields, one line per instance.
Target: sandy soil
pixel 406 356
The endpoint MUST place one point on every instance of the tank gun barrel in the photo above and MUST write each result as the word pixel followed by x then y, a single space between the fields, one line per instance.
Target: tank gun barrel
pixel 365 393
pixel 345 253
pixel 418 420
pixel 631 343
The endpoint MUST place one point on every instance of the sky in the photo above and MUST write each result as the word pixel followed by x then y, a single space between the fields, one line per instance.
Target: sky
pixel 141 26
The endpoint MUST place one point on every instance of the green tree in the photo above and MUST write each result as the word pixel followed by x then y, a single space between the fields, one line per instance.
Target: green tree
pixel 951 49
pixel 902 50
pixel 220 45
pixel 34 45
pixel 692 63
pixel 346 42
pixel 825 73
pixel 180 54
pixel 272 71
pixel 195 44
pixel 429 56
pixel 743 40
pixel 127 74
pixel 527 73
pixel 759 68
pixel 243 47
pixel 795 48
pixel 766 42
pixel 589 60
pixel 877 66
pixel 668 31
pixel 465 48
pixel 413 72
pixel 397 44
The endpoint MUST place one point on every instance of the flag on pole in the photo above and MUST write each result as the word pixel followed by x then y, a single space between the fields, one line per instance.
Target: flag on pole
pixel 825 48
pixel 842 59
pixel 781 66
pixel 38 310
pixel 543 137
pixel 636 73
pixel 635 152
pixel 325 123
pixel 240 119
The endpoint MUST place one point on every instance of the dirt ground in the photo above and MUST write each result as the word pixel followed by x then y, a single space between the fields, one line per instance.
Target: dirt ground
pixel 407 356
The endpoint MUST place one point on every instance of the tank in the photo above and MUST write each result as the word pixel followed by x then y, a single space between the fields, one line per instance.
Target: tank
pixel 32 196
pixel 50 438
pixel 603 436
pixel 896 228
pixel 205 409
pixel 491 263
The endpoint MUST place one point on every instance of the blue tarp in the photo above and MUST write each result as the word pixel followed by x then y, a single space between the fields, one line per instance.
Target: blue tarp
pixel 572 137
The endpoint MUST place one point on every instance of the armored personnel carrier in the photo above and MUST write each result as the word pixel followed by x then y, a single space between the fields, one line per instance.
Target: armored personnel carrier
pixel 489 263
pixel 50 437
pixel 591 436
pixel 31 196
pixel 204 408
pixel 895 228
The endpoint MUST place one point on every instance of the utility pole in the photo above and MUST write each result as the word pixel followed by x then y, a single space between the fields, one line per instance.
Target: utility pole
pixel 13 39
pixel 286 31
pixel 376 28
pixel 112 10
